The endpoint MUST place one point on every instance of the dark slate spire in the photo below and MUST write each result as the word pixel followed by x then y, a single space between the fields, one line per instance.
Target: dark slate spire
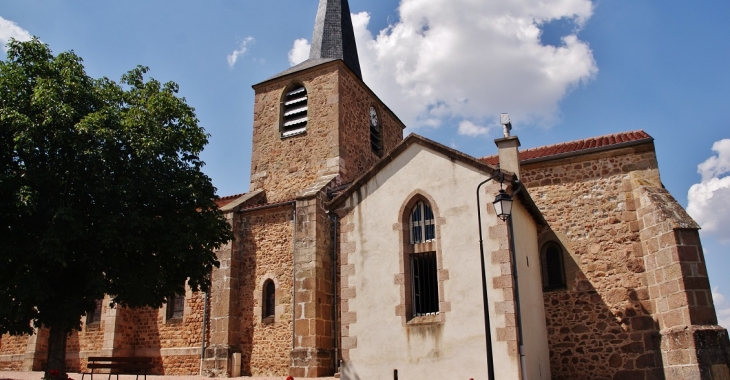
pixel 333 35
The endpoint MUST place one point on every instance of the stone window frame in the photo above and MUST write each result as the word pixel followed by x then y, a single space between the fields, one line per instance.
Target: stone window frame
pixel 93 319
pixel 296 131
pixel 546 287
pixel 268 305
pixel 403 278
pixel 260 304
pixel 166 314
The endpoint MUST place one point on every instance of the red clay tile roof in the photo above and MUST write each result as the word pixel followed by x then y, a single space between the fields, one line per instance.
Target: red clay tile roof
pixel 222 201
pixel 575 146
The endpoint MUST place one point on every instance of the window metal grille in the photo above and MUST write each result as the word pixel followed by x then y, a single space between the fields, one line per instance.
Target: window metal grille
pixel 423 228
pixel 294 115
pixel 175 306
pixel 269 299
pixel 424 284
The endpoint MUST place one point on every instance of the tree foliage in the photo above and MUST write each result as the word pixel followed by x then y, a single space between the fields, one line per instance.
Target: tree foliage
pixel 101 191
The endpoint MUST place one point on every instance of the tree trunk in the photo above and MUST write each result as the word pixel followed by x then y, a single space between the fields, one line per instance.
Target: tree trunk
pixel 57 352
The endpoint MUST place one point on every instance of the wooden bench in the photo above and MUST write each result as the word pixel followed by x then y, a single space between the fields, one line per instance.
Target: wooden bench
pixel 119 365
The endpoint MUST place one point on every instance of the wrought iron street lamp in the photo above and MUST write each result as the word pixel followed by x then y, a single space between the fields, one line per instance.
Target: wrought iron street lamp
pixel 503 206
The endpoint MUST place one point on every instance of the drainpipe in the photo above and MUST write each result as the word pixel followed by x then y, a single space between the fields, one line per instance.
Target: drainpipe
pixel 335 222
pixel 202 340
pixel 294 277
pixel 518 317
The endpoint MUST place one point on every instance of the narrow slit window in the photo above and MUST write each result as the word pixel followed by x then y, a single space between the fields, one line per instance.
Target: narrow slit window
pixel 553 269
pixel 424 284
pixel 294 116
pixel 269 299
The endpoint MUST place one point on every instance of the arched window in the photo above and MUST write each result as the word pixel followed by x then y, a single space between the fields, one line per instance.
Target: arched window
pixel 422 225
pixel 553 269
pixel 294 111
pixel 269 306
pixel 423 284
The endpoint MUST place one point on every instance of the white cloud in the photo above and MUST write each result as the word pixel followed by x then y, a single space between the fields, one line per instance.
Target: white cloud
pixel 471 60
pixel 722 308
pixel 467 128
pixel 299 52
pixel 8 30
pixel 709 200
pixel 240 52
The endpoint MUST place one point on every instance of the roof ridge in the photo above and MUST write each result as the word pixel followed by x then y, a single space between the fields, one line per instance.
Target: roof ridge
pixel 586 140
pixel 576 146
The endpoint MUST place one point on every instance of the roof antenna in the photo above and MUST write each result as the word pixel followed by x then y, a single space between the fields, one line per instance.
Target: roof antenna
pixel 506 124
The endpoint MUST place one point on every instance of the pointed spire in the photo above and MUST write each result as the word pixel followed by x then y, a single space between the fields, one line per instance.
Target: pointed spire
pixel 333 35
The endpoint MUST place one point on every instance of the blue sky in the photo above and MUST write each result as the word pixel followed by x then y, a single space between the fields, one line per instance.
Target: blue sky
pixel 569 70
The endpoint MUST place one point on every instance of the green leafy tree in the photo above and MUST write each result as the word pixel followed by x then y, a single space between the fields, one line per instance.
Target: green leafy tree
pixel 101 192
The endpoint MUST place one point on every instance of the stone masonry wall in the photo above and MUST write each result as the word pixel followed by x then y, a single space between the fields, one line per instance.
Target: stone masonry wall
pixel 354 136
pixel 337 140
pixel 284 166
pixel 602 323
pixel 185 332
pixel 266 253
pixel 154 335
pixel 13 344
pixel 313 354
pixel 11 349
pixel 347 288
pixel 693 346
pixel 89 339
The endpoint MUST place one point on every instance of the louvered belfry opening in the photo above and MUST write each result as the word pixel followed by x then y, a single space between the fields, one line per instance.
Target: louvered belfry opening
pixel 424 284
pixel 294 111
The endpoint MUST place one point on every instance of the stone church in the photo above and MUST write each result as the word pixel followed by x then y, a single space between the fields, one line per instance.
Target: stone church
pixel 357 253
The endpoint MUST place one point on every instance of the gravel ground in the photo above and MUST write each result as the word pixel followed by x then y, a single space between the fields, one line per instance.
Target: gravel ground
pixel 13 375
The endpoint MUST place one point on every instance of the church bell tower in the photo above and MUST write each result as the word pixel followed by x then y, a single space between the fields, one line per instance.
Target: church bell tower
pixel 318 118
pixel 316 126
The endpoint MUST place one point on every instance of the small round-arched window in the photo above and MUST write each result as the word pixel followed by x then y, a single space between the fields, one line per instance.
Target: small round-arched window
pixel 269 306
pixel 553 268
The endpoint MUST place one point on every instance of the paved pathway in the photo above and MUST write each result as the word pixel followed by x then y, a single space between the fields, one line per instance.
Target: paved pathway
pixel 12 375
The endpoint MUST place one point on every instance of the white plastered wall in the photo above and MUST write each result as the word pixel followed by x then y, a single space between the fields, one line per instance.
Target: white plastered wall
pixel 527 257
pixel 456 348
